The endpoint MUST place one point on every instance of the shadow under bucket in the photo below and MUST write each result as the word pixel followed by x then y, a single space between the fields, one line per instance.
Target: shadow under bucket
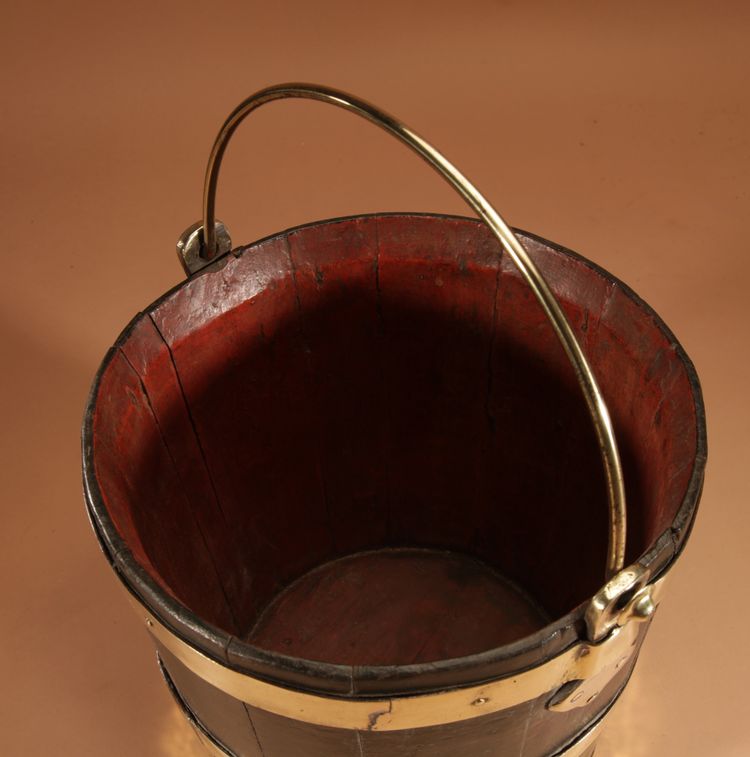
pixel 351 484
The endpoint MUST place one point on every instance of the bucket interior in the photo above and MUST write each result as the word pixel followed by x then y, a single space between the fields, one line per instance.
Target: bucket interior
pixel 360 441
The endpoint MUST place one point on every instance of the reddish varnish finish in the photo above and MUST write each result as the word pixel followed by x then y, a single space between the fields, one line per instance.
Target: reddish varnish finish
pixel 396 606
pixel 380 383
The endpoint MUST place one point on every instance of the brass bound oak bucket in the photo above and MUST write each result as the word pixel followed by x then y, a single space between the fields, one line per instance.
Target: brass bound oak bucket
pixel 356 478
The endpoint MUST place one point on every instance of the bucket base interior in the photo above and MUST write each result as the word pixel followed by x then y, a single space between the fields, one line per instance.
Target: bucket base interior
pixel 396 607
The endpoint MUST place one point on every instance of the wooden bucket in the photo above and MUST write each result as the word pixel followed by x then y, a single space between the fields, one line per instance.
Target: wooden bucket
pixel 349 478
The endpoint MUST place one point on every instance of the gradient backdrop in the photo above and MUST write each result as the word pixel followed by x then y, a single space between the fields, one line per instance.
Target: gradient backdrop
pixel 621 130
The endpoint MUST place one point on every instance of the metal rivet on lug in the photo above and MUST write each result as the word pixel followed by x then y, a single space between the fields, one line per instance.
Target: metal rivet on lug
pixel 149 622
pixel 644 607
pixel 479 701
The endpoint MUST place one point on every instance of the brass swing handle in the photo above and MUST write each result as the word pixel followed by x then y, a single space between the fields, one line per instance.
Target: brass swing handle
pixel 201 243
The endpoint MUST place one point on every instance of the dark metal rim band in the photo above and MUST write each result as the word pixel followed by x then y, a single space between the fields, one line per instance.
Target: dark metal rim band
pixel 587 381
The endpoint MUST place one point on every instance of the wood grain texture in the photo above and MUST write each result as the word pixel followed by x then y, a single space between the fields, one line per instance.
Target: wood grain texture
pixel 146 496
pixel 526 730
pixel 396 607
pixel 371 386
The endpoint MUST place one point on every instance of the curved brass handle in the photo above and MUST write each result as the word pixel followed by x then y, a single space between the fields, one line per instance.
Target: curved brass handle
pixel 201 242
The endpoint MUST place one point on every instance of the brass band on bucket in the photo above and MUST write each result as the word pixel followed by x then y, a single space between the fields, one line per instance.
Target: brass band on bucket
pixel 579 748
pixel 593 664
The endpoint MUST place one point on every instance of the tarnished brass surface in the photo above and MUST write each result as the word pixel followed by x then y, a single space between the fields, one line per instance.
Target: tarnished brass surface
pixel 190 244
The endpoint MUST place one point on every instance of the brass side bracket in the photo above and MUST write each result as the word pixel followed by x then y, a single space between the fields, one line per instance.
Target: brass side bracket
pixel 191 246
pixel 611 620
pixel 627 596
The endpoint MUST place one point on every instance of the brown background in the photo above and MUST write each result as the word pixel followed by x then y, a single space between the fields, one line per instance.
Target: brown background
pixel 618 129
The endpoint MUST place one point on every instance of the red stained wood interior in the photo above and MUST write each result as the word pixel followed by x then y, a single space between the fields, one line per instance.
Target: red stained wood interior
pixel 381 383
pixel 411 606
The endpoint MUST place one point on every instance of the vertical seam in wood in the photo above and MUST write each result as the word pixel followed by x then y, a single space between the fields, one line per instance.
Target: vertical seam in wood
pixel 491 420
pixel 203 457
pixel 593 338
pixel 384 415
pixel 191 419
pixel 253 729
pixel 361 745
pixel 586 337
pixel 209 552
pixel 313 383
pixel 378 300
pixel 489 417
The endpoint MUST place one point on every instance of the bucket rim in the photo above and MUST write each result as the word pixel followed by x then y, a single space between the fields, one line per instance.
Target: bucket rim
pixel 348 681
